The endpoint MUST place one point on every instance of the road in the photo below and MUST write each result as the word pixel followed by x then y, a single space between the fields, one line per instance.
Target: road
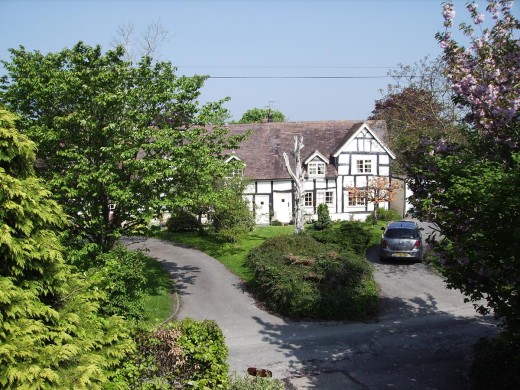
pixel 422 340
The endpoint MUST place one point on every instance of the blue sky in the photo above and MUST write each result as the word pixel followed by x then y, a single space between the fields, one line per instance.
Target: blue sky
pixel 350 38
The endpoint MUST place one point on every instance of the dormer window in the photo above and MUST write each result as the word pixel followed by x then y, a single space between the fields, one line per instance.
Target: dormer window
pixel 317 168
pixel 237 166
pixel 316 164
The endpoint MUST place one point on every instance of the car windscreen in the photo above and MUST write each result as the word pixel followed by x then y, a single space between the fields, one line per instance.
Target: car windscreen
pixel 401 233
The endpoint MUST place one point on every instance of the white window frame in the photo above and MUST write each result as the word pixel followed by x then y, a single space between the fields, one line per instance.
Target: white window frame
pixel 364 165
pixel 325 196
pixel 237 172
pixel 308 199
pixel 359 199
pixel 317 168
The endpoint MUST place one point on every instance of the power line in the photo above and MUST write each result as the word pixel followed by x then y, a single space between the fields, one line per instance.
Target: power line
pixel 299 77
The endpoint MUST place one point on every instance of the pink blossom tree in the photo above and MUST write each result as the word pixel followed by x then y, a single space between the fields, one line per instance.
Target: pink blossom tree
pixel 471 189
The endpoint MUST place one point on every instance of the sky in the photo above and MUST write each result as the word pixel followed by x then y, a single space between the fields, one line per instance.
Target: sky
pixel 312 60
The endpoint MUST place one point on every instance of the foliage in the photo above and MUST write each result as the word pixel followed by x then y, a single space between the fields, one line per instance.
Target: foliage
pixel 232 217
pixel 182 354
pixel 377 190
pixel 298 276
pixel 496 364
pixel 324 221
pixel 182 220
pixel 51 333
pixel 259 115
pixel 116 140
pixel 417 104
pixel 383 215
pixel 246 382
pixel 351 235
pixel 124 280
pixel 470 190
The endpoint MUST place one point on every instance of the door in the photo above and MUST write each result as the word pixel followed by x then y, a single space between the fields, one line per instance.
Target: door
pixel 262 209
pixel 282 206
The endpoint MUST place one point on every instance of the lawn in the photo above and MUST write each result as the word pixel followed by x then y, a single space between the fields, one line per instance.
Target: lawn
pixel 231 255
pixel 158 298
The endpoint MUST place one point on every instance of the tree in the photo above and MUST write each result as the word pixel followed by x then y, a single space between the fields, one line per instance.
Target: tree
pixel 470 190
pixel 146 44
pixel 115 139
pixel 298 177
pixel 51 335
pixel 378 190
pixel 259 115
pixel 416 105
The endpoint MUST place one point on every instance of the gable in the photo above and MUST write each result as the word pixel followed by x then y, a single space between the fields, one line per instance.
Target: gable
pixel 316 157
pixel 363 140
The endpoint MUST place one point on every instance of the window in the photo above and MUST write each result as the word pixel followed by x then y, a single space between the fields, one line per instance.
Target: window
pixel 308 199
pixel 356 199
pixel 236 172
pixel 364 166
pixel 316 168
pixel 326 197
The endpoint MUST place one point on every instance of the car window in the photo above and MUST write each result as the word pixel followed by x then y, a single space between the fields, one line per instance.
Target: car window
pixel 401 233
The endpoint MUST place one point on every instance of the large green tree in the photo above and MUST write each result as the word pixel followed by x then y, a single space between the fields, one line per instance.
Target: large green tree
pixel 51 335
pixel 471 190
pixel 115 139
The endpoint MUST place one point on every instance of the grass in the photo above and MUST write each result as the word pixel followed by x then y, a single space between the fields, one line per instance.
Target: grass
pixel 158 297
pixel 231 255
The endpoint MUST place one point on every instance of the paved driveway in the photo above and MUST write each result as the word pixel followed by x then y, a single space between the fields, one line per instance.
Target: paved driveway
pixel 422 340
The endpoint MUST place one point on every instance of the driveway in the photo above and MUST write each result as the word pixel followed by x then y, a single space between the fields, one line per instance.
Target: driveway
pixel 422 340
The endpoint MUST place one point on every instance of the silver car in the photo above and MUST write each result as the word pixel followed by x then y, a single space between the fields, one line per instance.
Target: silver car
pixel 401 240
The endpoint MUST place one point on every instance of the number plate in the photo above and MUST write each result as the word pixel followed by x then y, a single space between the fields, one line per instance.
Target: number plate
pixel 401 254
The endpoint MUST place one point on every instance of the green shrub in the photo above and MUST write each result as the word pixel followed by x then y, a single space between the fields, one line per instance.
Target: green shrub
pixel 182 354
pixel 351 235
pixel 182 220
pixel 233 219
pixel 496 364
pixel 275 222
pixel 247 382
pixel 383 215
pixel 324 221
pixel 301 277
pixel 123 274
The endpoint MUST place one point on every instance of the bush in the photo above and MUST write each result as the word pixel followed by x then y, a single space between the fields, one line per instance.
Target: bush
pixel 351 235
pixel 182 354
pixel 182 220
pixel 124 280
pixel 233 219
pixel 383 215
pixel 496 364
pixel 324 221
pixel 246 382
pixel 300 277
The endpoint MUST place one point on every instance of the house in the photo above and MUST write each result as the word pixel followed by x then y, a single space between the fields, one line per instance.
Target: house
pixel 336 155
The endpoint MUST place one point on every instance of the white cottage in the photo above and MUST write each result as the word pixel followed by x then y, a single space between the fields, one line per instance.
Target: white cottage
pixel 336 155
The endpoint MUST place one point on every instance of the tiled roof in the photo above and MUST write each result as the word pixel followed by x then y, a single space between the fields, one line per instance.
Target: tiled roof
pixel 262 151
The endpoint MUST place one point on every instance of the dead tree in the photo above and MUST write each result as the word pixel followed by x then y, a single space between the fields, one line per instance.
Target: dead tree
pixel 298 177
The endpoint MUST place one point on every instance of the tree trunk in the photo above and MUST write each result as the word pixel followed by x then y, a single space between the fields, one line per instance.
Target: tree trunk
pixel 298 177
